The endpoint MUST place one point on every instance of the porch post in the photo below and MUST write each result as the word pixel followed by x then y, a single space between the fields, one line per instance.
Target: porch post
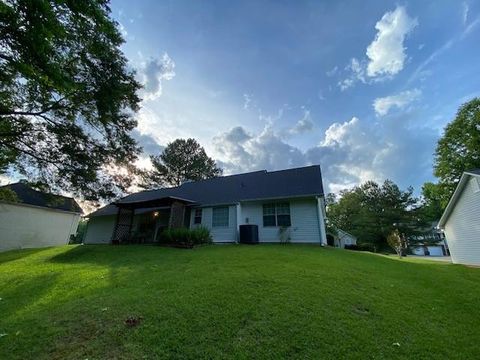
pixel 177 215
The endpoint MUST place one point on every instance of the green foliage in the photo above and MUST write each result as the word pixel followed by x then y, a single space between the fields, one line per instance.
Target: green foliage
pixel 8 195
pixel 459 148
pixel 181 160
pixel 185 237
pixel 434 200
pixel 233 302
pixel 371 212
pixel 81 231
pixel 67 97
pixel 397 242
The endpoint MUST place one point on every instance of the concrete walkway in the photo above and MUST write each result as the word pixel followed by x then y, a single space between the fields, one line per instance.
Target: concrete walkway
pixel 432 258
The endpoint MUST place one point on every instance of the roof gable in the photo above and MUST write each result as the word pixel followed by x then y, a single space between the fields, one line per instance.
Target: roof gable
pixel 456 195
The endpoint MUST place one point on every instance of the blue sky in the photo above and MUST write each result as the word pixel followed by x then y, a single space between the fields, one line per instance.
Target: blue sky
pixel 363 88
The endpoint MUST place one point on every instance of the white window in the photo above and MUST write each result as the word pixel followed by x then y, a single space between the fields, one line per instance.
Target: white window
pixel 220 216
pixel 197 219
pixel 276 214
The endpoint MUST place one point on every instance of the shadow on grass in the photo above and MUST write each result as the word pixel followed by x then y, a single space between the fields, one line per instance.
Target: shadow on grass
pixel 114 256
pixel 13 255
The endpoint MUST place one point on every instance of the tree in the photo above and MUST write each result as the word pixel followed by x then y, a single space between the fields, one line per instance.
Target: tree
pixel 371 212
pixel 67 97
pixel 182 160
pixel 434 201
pixel 397 242
pixel 459 148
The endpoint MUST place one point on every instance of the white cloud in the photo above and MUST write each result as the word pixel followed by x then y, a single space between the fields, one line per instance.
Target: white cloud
pixel 332 71
pixel 349 153
pixel 153 73
pixel 387 52
pixel 357 73
pixel 305 124
pixel 383 105
pixel 465 10
pixel 247 99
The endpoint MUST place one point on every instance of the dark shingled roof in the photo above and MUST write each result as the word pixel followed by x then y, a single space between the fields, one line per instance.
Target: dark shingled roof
pixel 27 195
pixel 304 181
pixel 474 171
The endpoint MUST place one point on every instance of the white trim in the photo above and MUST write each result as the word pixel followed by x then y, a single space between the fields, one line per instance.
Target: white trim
pixel 454 198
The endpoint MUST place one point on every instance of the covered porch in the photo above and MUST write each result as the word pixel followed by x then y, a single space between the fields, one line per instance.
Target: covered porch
pixel 142 221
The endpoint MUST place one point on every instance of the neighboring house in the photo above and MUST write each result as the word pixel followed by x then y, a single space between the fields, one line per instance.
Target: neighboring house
pixel 341 238
pixel 286 205
pixel 461 220
pixel 38 219
pixel 431 243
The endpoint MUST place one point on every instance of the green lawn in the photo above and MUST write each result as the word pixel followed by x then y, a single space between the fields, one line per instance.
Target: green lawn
pixel 265 301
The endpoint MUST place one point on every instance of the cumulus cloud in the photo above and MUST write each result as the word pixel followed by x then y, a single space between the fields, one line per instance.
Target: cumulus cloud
pixel 357 73
pixel 154 72
pixel 349 152
pixel 149 144
pixel 383 105
pixel 305 124
pixel 386 53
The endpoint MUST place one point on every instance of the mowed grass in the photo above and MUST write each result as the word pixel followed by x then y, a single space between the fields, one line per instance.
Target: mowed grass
pixel 264 301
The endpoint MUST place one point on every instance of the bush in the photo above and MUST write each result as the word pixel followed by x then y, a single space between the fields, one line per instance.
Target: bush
pixel 360 247
pixel 184 237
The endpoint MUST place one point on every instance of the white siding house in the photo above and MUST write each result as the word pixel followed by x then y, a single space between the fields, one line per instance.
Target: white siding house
pixel 32 222
pixel 287 206
pixel 304 218
pixel 461 220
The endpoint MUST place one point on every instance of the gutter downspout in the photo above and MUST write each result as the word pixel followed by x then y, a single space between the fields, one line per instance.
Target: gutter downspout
pixel 238 208
pixel 321 220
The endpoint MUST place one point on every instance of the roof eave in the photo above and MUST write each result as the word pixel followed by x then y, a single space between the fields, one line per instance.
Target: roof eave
pixel 454 198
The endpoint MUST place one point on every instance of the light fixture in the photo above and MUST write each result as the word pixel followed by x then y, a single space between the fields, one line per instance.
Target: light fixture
pixel 155 214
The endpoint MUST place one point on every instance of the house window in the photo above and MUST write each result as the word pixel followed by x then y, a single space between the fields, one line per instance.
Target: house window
pixel 276 214
pixel 197 219
pixel 220 217
pixel 269 215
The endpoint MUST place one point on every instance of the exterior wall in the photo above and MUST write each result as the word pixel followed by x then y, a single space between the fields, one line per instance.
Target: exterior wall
pixel 462 228
pixel 304 218
pixel 343 239
pixel 23 226
pixel 100 230
pixel 219 234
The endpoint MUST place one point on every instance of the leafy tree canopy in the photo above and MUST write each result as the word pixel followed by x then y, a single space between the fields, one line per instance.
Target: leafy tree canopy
pixel 182 160
pixel 371 212
pixel 67 97
pixel 434 200
pixel 459 148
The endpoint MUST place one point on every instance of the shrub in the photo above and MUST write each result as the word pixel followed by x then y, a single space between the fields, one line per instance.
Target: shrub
pixel 185 237
pixel 360 247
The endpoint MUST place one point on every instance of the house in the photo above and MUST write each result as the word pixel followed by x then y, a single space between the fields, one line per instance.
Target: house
pixel 287 204
pixel 341 238
pixel 461 220
pixel 431 243
pixel 36 219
